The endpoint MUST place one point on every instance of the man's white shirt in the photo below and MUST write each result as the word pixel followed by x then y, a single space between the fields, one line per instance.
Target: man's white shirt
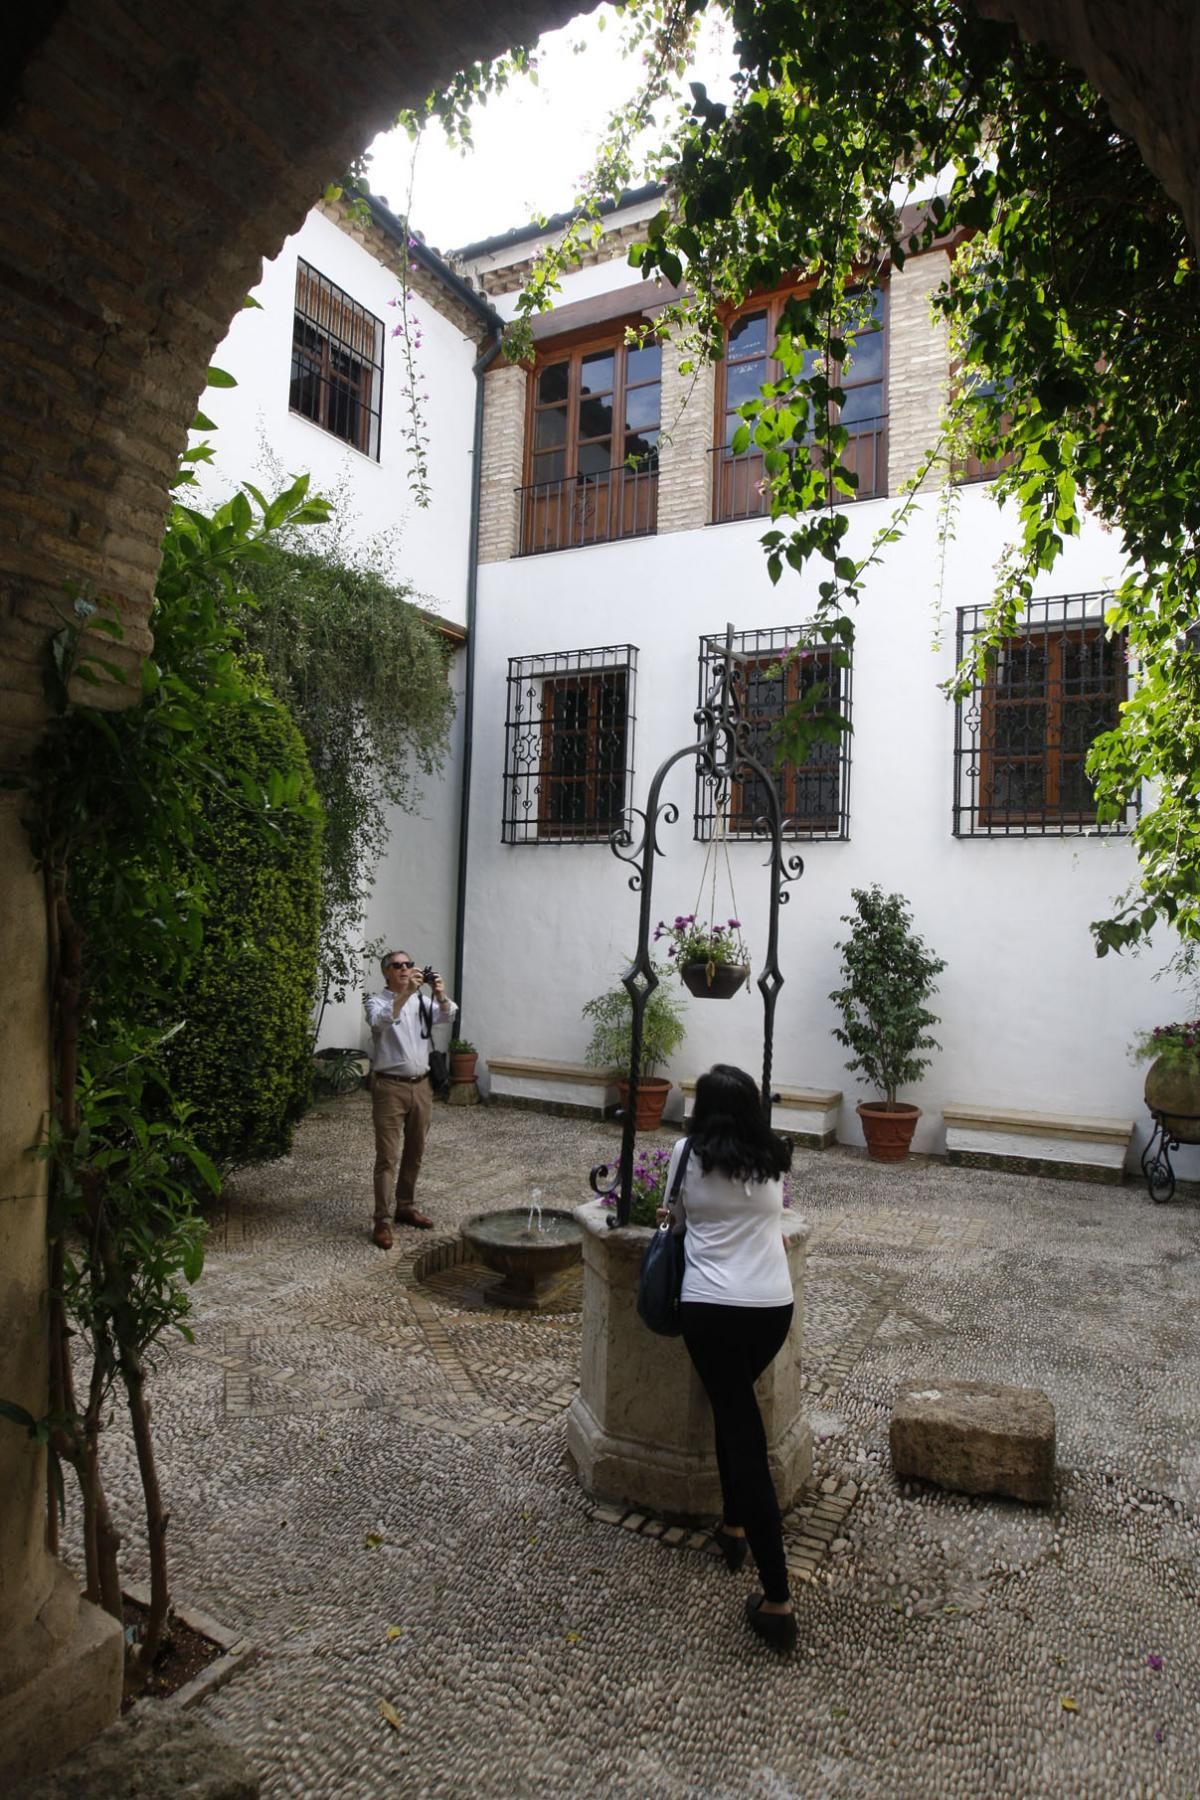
pixel 399 1048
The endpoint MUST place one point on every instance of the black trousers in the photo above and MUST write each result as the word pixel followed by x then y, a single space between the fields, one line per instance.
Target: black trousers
pixel 730 1347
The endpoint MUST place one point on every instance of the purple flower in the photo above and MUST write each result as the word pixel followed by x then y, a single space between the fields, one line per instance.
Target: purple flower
pixel 1153 1661
pixel 735 924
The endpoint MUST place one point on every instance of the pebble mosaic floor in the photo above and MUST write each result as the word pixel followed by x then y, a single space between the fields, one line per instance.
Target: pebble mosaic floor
pixel 366 1468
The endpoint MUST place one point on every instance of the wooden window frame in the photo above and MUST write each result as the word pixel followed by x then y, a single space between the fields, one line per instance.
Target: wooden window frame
pixel 736 476
pixel 789 775
pixel 1054 699
pixel 606 505
pixel 341 328
pixel 591 682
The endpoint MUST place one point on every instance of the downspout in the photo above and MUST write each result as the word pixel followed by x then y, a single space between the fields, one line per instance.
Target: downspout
pixel 464 814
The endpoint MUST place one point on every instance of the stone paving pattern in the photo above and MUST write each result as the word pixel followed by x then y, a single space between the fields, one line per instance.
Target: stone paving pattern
pixel 367 1477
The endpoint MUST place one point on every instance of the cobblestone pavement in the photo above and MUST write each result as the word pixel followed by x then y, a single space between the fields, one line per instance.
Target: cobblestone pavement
pixel 367 1476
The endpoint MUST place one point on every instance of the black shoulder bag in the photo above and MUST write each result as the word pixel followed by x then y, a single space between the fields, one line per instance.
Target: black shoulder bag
pixel 439 1062
pixel 661 1276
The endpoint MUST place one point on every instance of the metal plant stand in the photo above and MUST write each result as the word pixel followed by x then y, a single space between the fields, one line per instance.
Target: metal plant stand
pixel 722 753
pixel 1156 1157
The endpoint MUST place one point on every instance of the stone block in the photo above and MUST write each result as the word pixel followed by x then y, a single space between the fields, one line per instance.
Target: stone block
pixel 156 1752
pixel 976 1437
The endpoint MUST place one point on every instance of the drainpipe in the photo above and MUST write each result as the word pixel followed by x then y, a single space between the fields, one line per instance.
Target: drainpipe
pixel 464 815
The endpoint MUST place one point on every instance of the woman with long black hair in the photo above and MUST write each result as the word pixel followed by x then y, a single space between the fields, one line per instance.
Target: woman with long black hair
pixel 735 1312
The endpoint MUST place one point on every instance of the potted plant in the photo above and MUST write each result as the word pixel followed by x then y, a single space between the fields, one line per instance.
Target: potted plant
pixel 712 960
pixel 463 1057
pixel 888 973
pixel 611 1042
pixel 1173 1078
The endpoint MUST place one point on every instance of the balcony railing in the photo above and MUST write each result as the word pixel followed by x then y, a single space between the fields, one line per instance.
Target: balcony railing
pixel 588 509
pixel 742 488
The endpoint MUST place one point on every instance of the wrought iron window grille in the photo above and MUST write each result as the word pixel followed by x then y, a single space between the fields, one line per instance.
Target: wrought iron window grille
pixel 1023 732
pixel 337 362
pixel 814 798
pixel 599 508
pixel 568 745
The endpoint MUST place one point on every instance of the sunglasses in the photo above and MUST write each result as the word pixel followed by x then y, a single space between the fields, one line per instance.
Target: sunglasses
pixel 400 965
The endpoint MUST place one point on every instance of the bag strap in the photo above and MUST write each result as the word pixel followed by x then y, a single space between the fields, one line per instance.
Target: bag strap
pixel 680 1170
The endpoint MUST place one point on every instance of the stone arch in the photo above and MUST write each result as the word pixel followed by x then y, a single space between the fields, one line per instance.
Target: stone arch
pixel 151 155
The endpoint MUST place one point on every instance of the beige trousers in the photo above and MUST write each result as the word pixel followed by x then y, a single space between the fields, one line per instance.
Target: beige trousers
pixel 401 1111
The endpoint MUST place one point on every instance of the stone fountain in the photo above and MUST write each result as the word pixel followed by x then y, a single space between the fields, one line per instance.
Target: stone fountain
pixel 532 1253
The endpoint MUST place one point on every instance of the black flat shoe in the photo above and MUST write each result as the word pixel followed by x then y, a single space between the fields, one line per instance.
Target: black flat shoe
pixel 776 1629
pixel 733 1549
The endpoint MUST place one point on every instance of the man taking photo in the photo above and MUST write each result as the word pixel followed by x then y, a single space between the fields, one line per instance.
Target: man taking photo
pixel 401 1022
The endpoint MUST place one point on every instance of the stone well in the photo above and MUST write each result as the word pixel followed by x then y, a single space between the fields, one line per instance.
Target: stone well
pixel 639 1430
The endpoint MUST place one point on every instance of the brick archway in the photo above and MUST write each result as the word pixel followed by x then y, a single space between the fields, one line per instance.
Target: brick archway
pixel 151 156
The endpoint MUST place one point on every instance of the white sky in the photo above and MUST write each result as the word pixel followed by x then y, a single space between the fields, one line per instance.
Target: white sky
pixel 533 145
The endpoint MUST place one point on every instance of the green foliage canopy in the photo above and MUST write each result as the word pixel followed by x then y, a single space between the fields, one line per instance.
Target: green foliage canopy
pixel 364 675
pixel 1074 316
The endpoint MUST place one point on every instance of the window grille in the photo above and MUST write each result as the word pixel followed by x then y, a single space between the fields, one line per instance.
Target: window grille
pixel 337 362
pixel 814 797
pixel 568 745
pixel 1022 734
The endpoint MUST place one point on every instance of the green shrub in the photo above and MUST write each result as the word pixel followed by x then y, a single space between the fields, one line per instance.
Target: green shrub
pixel 244 1058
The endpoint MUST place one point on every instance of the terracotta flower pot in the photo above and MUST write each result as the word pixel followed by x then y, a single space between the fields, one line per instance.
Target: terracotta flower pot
pixel 651 1098
pixel 1173 1089
pixel 714 980
pixel 887 1129
pixel 462 1064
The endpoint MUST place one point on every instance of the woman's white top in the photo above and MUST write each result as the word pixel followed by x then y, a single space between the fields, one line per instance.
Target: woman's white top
pixel 734 1252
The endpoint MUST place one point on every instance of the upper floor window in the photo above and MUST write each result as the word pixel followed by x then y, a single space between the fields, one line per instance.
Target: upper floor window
pixel 568 745
pixel 774 671
pixel 337 361
pixel 1023 734
pixel 741 490
pixel 592 457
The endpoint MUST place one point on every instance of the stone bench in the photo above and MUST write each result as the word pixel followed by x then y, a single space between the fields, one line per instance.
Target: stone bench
pixel 976 1437
pixel 1035 1143
pixel 808 1116
pixel 540 1085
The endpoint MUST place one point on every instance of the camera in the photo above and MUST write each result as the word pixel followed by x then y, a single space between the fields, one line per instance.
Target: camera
pixel 429 974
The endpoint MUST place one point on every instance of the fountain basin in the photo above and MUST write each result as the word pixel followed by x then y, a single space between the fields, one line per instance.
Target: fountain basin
pixel 534 1263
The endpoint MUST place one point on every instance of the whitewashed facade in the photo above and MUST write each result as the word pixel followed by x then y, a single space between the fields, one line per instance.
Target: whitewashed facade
pixel 264 438
pixel 1031 1020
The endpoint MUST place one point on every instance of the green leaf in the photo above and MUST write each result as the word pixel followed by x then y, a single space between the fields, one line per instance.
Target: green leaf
pixel 220 378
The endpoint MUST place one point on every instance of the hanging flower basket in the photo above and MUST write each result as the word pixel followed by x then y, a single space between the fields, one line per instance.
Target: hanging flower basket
pixel 712 960
pixel 714 980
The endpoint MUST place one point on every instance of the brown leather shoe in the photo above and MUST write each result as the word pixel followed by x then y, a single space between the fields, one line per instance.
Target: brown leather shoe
pixel 408 1215
pixel 382 1234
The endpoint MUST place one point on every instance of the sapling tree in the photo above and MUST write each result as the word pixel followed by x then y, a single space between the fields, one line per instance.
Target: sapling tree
pixel 888 973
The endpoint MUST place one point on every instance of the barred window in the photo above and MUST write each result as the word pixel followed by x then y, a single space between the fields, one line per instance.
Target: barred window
pixel 337 362
pixel 1023 733
pixel 568 745
pixel 814 796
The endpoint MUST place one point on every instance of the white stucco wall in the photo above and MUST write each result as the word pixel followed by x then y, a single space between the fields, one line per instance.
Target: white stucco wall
pixel 260 439
pixel 377 523
pixel 1030 1017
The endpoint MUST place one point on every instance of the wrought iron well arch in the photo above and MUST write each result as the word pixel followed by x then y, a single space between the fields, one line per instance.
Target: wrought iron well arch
pixel 721 752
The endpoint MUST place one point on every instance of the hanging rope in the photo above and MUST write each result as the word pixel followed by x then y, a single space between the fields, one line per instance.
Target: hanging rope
pixel 718 846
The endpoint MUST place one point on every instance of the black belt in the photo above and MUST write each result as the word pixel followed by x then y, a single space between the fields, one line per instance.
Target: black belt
pixel 387 1075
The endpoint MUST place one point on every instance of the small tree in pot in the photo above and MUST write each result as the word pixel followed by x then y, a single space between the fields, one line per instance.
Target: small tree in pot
pixel 611 1043
pixel 888 974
